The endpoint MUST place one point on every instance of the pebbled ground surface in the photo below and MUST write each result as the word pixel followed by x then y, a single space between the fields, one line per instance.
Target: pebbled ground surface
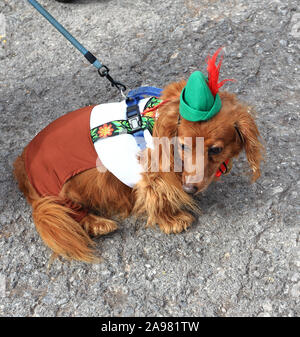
pixel 242 258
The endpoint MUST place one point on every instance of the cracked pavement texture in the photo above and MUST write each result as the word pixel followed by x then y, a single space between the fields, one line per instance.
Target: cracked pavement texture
pixel 242 257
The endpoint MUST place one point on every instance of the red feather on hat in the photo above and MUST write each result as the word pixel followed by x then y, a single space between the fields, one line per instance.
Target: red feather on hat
pixel 213 72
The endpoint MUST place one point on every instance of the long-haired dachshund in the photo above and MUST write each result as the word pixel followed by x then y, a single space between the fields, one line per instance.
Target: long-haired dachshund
pixel 73 198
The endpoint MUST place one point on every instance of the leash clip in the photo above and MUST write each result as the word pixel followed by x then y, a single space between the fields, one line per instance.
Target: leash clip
pixel 103 71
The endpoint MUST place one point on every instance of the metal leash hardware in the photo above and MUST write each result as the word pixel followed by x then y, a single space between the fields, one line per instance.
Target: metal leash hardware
pixel 103 71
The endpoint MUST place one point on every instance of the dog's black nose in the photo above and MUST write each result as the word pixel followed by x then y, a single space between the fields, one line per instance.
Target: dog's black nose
pixel 189 188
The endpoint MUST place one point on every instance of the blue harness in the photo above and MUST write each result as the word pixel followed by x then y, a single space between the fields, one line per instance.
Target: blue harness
pixel 133 112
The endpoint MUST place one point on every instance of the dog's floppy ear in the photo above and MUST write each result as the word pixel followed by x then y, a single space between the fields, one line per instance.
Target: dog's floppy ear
pixel 167 124
pixel 248 134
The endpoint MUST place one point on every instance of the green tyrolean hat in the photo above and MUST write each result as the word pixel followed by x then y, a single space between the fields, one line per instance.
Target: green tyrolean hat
pixel 199 100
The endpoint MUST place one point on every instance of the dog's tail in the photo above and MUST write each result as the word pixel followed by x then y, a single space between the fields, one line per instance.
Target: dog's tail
pixel 60 231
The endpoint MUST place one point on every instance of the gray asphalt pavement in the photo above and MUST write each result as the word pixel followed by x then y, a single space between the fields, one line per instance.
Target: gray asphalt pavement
pixel 242 257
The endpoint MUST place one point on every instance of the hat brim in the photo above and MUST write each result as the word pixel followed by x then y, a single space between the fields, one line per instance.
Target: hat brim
pixel 194 115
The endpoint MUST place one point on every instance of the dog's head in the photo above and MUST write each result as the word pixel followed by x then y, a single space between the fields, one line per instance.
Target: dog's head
pixel 224 136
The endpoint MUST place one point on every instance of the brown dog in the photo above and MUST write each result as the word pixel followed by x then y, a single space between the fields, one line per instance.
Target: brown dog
pixel 86 201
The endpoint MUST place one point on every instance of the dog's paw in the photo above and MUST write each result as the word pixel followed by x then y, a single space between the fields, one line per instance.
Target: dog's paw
pixel 176 224
pixel 95 225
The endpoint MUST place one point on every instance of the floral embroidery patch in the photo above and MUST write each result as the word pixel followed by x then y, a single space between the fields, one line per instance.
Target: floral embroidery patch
pixel 105 130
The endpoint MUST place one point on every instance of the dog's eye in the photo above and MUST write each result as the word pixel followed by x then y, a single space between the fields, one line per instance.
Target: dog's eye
pixel 214 150
pixel 184 147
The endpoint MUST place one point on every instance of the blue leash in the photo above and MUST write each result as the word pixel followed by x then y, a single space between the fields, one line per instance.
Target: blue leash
pixel 102 69
pixel 89 56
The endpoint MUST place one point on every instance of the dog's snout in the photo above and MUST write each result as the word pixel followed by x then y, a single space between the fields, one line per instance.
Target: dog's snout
pixel 189 188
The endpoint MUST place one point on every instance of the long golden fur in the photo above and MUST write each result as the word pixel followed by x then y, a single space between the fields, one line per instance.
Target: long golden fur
pixel 159 195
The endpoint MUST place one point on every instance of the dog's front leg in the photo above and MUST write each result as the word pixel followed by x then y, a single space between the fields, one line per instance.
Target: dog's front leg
pixel 161 198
